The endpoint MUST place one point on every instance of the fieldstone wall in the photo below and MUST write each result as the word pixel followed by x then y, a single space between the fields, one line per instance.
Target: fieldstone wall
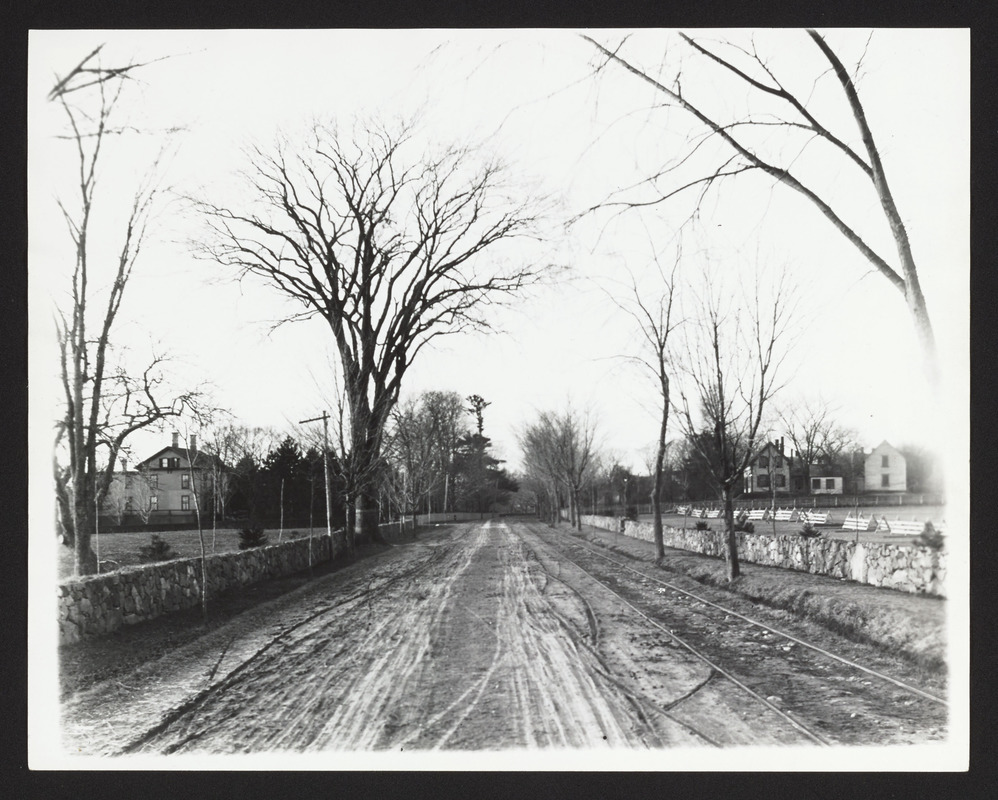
pixel 100 604
pixel 905 567
pixel 450 516
pixel 612 524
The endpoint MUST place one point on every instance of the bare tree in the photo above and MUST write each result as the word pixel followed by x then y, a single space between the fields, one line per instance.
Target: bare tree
pixel 750 140
pixel 220 449
pixel 195 475
pixel 814 434
pixel 560 449
pixel 104 402
pixel 730 357
pixel 447 422
pixel 118 500
pixel 353 472
pixel 538 446
pixel 142 491
pixel 386 242
pixel 411 452
pixel 652 312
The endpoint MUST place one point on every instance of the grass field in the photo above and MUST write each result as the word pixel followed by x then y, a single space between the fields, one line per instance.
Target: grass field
pixel 118 550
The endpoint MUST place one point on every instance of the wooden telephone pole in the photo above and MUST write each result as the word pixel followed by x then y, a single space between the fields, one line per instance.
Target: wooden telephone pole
pixel 329 493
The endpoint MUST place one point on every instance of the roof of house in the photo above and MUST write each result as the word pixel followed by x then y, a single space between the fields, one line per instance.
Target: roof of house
pixel 199 459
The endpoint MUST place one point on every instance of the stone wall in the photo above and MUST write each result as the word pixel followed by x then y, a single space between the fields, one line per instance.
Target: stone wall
pixel 100 604
pixel 450 516
pixel 612 524
pixel 905 567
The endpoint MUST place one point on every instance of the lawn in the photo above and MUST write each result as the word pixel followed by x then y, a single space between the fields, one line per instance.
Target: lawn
pixel 118 550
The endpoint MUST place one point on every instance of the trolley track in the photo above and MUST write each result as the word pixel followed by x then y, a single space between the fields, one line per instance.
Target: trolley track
pixel 716 669
pixel 705 602
pixel 500 636
pixel 876 705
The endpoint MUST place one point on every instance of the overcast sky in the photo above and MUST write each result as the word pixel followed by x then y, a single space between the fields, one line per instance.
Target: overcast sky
pixel 531 97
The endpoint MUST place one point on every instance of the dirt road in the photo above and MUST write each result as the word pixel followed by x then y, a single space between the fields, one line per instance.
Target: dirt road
pixel 476 637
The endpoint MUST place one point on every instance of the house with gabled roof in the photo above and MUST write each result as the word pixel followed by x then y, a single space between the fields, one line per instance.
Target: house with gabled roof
pixel 885 469
pixel 173 475
pixel 770 470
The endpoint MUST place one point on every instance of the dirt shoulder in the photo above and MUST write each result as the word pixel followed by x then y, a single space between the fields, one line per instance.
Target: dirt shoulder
pixel 911 625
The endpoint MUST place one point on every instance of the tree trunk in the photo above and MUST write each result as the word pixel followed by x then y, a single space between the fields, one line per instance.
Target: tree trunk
pixel 84 524
pixel 366 520
pixel 656 497
pixel 350 526
pixel 732 540
pixel 204 558
pixel 656 507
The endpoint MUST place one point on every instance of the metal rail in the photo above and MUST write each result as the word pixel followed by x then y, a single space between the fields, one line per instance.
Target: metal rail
pixel 900 684
pixel 813 735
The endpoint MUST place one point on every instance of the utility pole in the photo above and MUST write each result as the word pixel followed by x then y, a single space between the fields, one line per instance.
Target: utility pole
pixel 329 493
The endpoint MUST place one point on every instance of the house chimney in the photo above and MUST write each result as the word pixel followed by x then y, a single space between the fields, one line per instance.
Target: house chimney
pixel 176 439
pixel 194 442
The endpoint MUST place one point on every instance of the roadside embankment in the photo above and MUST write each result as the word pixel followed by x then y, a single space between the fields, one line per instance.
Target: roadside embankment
pixel 908 624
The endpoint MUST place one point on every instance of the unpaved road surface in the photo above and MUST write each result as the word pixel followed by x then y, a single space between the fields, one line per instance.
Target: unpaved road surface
pixel 476 636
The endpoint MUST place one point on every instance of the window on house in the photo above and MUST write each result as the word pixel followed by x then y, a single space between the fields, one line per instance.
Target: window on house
pixel 154 503
pixel 764 462
pixel 763 481
pixel 154 481
pixel 829 483
pixel 885 480
pixel 815 483
pixel 781 481
pixel 885 461
pixel 164 463
pixel 185 481
pixel 185 502
pixel 778 463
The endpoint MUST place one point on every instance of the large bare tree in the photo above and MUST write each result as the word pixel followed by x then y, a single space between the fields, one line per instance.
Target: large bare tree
pixel 730 356
pixel 104 401
pixel 387 242
pixel 771 141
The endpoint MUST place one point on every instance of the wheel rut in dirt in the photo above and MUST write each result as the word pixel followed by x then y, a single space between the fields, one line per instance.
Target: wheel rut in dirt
pixel 475 637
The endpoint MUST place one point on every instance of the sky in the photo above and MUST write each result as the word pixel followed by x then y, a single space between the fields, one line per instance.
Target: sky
pixel 531 97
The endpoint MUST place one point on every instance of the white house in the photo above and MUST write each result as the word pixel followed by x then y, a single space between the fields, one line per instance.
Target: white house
pixel 827 485
pixel 885 470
